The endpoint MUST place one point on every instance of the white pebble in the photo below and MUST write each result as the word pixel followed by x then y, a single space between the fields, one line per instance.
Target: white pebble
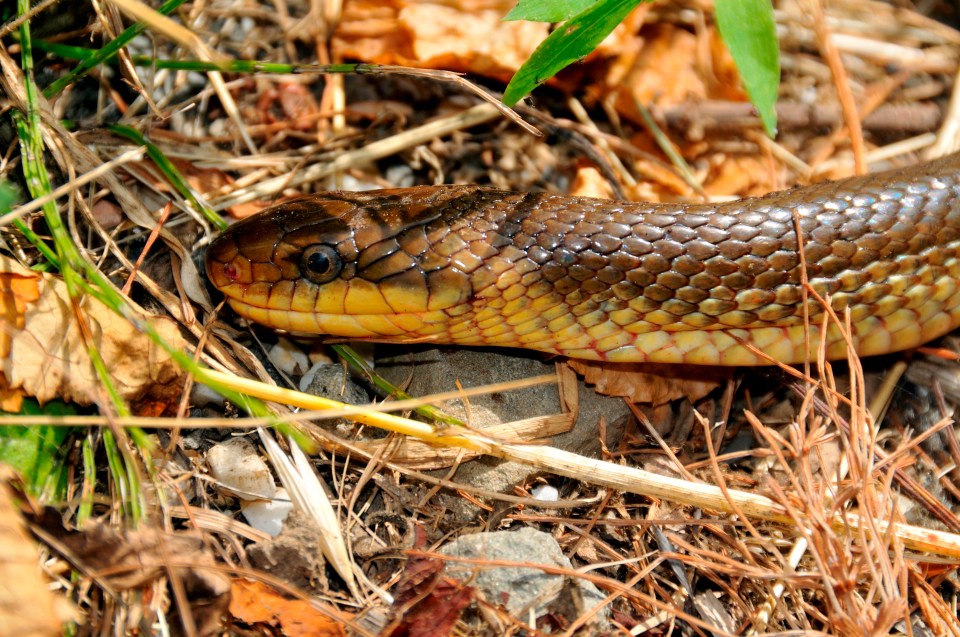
pixel 238 468
pixel 401 176
pixel 545 493
pixel 269 515
pixel 288 358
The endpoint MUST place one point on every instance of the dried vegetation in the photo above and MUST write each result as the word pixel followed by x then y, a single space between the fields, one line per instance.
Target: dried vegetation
pixel 771 502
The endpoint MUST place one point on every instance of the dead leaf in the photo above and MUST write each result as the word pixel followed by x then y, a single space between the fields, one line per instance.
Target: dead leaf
pixel 588 182
pixel 426 604
pixel 651 383
pixel 44 355
pixel 120 559
pixel 298 108
pixel 454 36
pixel 724 79
pixel 741 175
pixel 666 71
pixel 27 606
pixel 256 603
pixel 657 181
pixel 209 182
pixel 108 214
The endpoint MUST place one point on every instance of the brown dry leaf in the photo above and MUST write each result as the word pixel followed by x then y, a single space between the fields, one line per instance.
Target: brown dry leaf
pixel 666 71
pixel 453 36
pixel 120 559
pixel 44 355
pixel 675 68
pixel 206 181
pixel 108 214
pixel 724 79
pixel 623 46
pixel 426 603
pixel 657 181
pixel 651 383
pixel 256 603
pixel 588 182
pixel 288 106
pixel 27 606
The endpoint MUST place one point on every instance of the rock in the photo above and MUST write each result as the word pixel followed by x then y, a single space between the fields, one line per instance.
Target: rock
pixel 519 588
pixel 332 381
pixel 269 515
pixel 294 556
pixel 237 466
pixel 438 369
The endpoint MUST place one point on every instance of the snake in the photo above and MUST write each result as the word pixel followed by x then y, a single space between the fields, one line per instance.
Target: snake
pixel 868 264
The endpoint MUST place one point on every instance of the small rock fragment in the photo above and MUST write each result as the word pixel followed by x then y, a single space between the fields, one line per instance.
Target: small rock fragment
pixel 269 515
pixel 288 358
pixel 236 465
pixel 520 588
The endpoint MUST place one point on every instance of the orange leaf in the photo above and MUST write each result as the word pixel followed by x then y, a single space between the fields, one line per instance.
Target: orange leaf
pixel 427 604
pixel 253 602
pixel 429 35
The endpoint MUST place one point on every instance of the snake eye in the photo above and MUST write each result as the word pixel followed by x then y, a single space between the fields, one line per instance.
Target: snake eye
pixel 320 263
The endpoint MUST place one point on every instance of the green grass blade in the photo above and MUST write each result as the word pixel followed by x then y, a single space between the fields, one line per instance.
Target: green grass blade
pixel 8 197
pixel 171 173
pixel 66 51
pixel 89 488
pixel 547 10
pixel 84 54
pixel 570 42
pixel 108 51
pixel 750 32
pixel 82 276
pixel 28 127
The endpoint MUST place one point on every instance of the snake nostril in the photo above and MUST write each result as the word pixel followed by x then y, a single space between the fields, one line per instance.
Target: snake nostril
pixel 230 271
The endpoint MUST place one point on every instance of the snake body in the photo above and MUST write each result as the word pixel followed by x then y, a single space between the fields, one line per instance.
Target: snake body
pixel 717 284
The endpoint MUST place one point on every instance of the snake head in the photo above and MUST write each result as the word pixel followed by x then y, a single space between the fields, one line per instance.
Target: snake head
pixel 348 264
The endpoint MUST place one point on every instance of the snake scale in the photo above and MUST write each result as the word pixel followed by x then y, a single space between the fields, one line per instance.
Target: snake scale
pixel 719 284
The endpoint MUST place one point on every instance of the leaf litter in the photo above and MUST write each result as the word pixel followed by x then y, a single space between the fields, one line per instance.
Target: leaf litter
pixel 835 559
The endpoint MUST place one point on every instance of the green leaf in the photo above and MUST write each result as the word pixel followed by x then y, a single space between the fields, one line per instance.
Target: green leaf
pixel 749 31
pixel 37 451
pixel 570 42
pixel 8 197
pixel 547 10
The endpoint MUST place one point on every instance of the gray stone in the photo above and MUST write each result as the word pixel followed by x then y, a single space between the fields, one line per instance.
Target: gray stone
pixel 438 370
pixel 332 381
pixel 519 589
pixel 294 556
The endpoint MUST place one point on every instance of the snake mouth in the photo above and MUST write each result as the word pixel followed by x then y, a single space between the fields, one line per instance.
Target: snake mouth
pixel 378 326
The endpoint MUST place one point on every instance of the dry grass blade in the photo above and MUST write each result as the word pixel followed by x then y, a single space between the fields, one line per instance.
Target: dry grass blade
pixel 774 505
pixel 371 152
pixel 192 42
pixel 309 497
pixel 608 474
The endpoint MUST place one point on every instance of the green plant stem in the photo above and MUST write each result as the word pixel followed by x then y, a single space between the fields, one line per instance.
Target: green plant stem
pixel 108 51
pixel 172 174
pixel 427 411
